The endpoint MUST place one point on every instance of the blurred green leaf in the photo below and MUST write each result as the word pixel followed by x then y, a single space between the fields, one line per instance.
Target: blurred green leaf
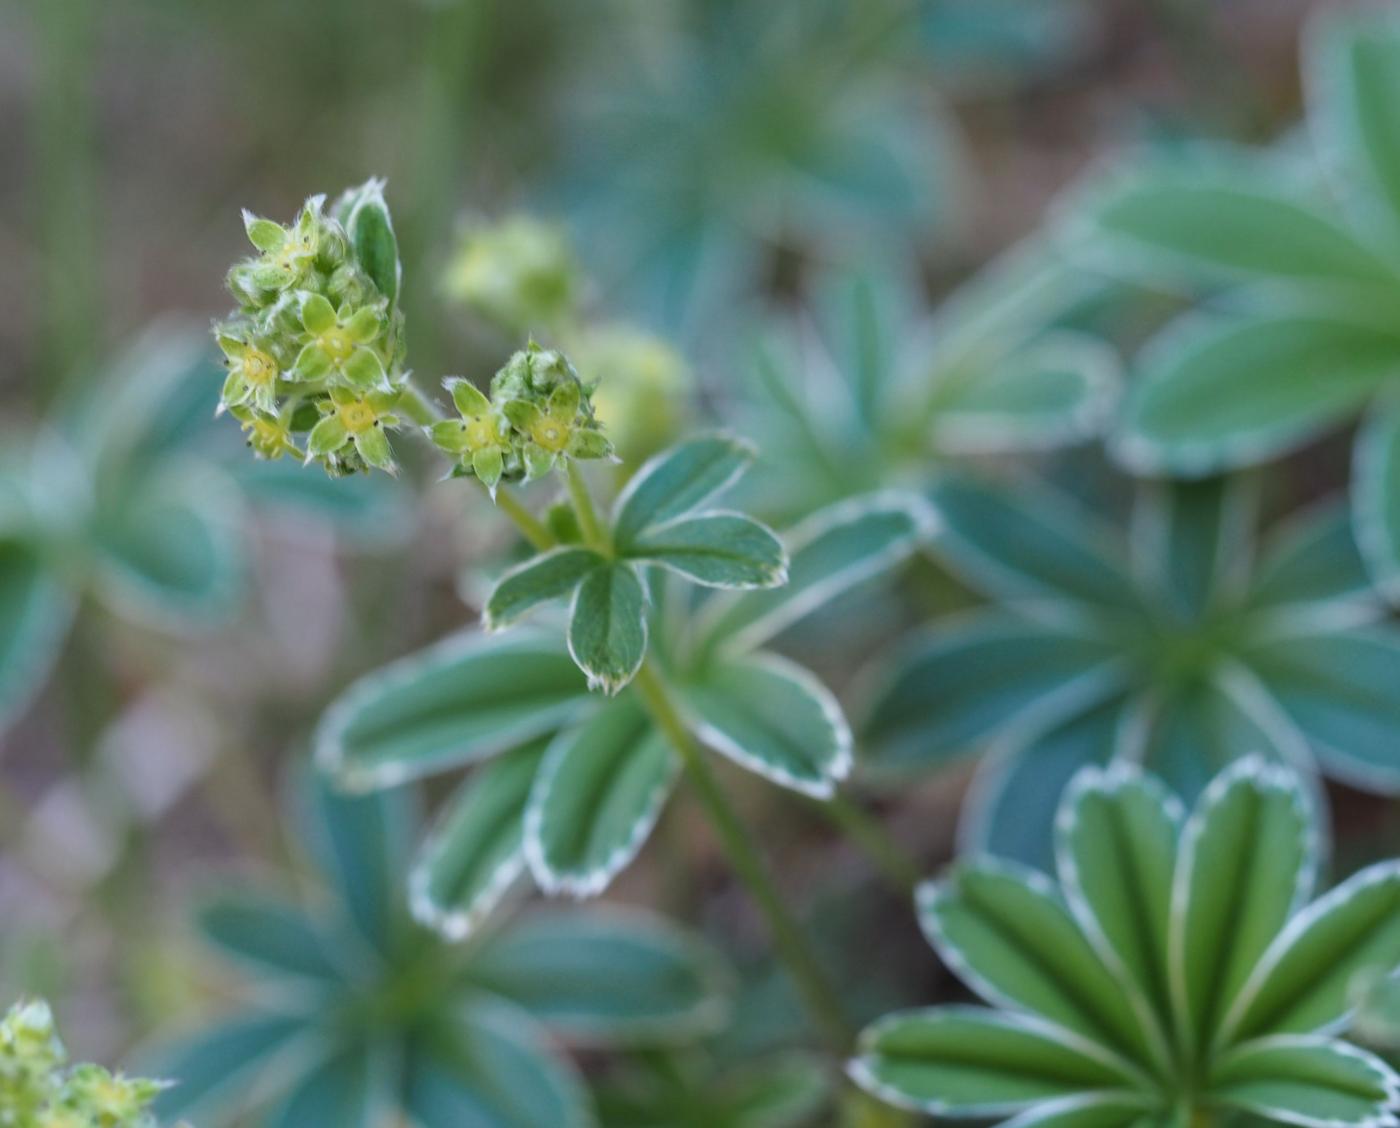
pixel 35 610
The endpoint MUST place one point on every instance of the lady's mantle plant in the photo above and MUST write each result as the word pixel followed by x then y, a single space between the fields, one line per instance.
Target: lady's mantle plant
pixel 1180 646
pixel 1175 973
pixel 358 1014
pixel 1307 335
pixel 39 1089
pixel 576 781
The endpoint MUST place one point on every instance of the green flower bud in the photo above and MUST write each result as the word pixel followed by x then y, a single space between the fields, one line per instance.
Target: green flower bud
pixel 641 386
pixel 518 274
pixel 549 409
pixel 482 440
pixel 318 332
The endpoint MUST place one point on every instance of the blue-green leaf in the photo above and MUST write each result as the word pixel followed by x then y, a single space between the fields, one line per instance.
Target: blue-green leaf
pixel 215 1071
pixel 34 615
pixel 1216 393
pixel 493 1068
pixel 271 937
pixel 367 510
pixel 551 575
pixel 1025 543
pixel 1376 495
pixel 597 796
pixel 829 553
pixel 608 627
pixel 723 550
pixel 348 1089
pixel 608 976
pixel 477 851
pixel 975 678
pixel 1311 559
pixel 1193 541
pixel 460 701
pixel 678 481
pixel 772 717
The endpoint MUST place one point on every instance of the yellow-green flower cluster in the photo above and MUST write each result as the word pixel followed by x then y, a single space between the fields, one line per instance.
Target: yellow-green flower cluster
pixel 315 348
pixel 38 1090
pixel 518 274
pixel 538 413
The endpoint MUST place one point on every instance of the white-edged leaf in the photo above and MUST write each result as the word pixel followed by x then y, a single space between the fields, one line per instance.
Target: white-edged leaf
pixel 722 550
pixel 1310 1082
pixel 678 481
pixel 971 1062
pixel 773 717
pixel 608 626
pixel 598 793
pixel 463 700
pixel 551 575
pixel 476 853
pixel 1376 495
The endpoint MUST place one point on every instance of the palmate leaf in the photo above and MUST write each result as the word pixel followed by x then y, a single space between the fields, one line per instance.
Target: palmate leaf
pixel 678 482
pixel 551 575
pixel 596 798
pixel 271 937
pixel 610 977
pixel 458 702
pixel 723 550
pixel 476 853
pixel 1312 559
pixel 608 627
pixel 349 1088
pixel 1172 954
pixel 216 1069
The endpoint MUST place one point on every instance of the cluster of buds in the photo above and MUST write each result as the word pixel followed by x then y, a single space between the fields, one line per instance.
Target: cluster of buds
pixel 37 1091
pixel 519 274
pixel 538 413
pixel 315 348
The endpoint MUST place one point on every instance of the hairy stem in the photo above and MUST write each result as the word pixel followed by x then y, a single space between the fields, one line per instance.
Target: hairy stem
pixel 588 522
pixel 807 972
pixel 531 527
pixel 418 407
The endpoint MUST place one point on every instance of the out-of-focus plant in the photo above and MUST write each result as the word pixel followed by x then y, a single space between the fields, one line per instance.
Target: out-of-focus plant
pixel 357 1014
pixel 872 391
pixel 1175 971
pixel 127 498
pixel 689 1090
pixel 1302 335
pixel 578 780
pixel 724 129
pixel 1376 1021
pixel 522 277
pixel 40 1089
pixel 1177 646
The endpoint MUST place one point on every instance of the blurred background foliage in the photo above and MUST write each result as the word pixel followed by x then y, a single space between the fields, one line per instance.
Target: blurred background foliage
pixel 832 225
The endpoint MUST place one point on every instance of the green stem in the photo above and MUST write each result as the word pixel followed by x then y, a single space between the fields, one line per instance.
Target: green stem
pixel 418 407
pixel 816 989
pixel 530 526
pixel 588 522
pixel 887 855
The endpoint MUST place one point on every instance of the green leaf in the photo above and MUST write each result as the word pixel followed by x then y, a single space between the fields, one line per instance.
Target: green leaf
pixel 348 1089
pixel 608 627
pixel 786 1092
pixel 829 553
pixel 362 843
pixel 1247 863
pixel 1057 390
pixel 608 976
pixel 215 1070
pixel 678 481
pixel 723 550
pixel 1216 393
pixel 492 1067
pixel 1010 810
pixel 1116 841
pixel 597 796
pixel 270 937
pixel 458 702
pixel 1338 688
pixel 1304 982
pixel 1351 60
pixel 1311 558
pixel 1005 932
pixel 979 675
pixel 168 546
pixel 372 234
pixel 1376 495
pixel 1224 223
pixel 1192 541
pixel 968 1062
pixel 1313 1082
pixel 477 851
pixel 1023 543
pixel 772 717
pixel 34 615
pixel 551 575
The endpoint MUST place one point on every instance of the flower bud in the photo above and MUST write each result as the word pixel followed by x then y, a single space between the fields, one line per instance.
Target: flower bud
pixel 315 348
pixel 518 274
pixel 641 386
